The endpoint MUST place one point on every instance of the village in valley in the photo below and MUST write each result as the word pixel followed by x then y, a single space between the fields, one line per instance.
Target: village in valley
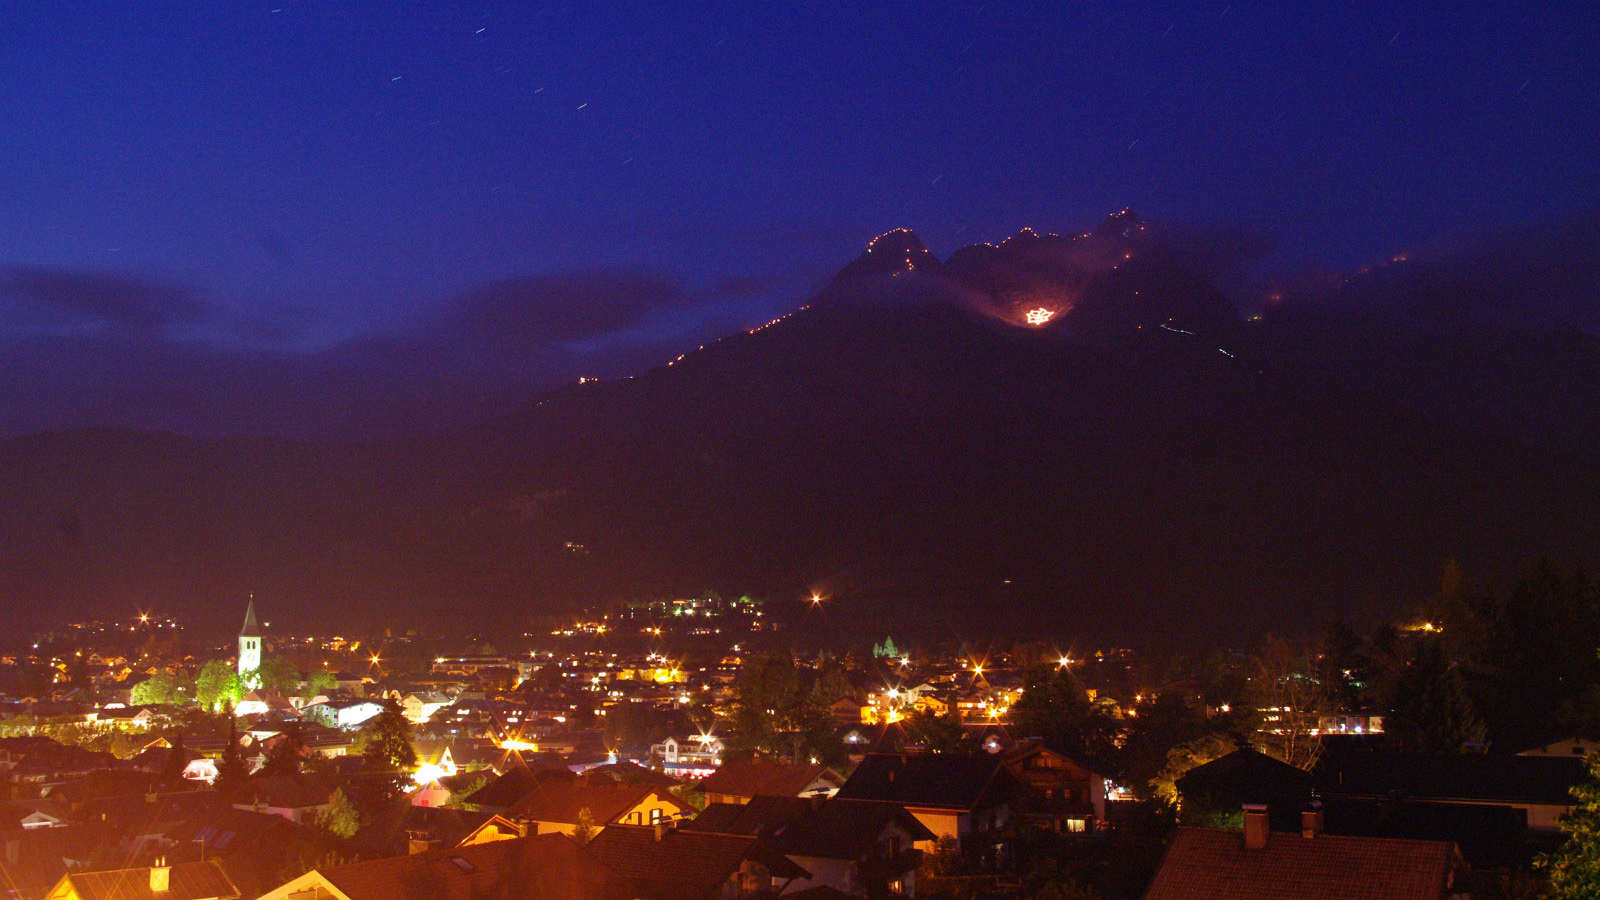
pixel 687 747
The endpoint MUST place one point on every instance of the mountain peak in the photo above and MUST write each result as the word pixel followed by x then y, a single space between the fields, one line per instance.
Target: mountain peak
pixel 889 255
pixel 1124 223
pixel 898 249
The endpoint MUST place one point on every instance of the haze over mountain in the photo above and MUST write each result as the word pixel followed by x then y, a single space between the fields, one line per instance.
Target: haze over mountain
pixel 1076 433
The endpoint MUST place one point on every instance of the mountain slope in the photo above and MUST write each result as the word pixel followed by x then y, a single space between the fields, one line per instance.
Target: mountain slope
pixel 1142 465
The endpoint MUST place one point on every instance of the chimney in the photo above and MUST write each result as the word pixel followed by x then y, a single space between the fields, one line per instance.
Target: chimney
pixel 662 827
pixel 1311 820
pixel 1255 826
pixel 160 876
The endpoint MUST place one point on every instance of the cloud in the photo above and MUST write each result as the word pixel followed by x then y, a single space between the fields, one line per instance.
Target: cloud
pixel 90 348
pixel 540 311
pixel 1539 276
pixel 75 298
pixel 745 286
pixel 1216 251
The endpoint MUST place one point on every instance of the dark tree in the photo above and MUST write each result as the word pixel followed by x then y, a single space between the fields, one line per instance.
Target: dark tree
pixel 1431 711
pixel 172 772
pixel 1149 737
pixel 1057 708
pixel 232 774
pixel 1529 654
pixel 1574 868
pixel 287 752
pixel 941 734
pixel 385 741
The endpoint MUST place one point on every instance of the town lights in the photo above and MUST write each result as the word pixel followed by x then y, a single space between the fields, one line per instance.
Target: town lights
pixel 1038 316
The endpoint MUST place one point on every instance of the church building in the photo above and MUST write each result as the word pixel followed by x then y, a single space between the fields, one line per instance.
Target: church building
pixel 249 642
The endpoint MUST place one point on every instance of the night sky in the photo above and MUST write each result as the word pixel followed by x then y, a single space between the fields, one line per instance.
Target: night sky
pixel 325 218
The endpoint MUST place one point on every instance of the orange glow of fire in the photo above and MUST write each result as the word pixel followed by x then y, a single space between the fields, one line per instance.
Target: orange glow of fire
pixel 1039 315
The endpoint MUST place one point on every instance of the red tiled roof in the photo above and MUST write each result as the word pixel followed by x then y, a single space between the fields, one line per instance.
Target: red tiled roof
pixel 797 826
pixel 561 801
pixel 685 863
pixel 749 777
pixel 1210 862
pixel 187 881
pixel 288 791
pixel 549 865
pixel 934 781
pixel 504 790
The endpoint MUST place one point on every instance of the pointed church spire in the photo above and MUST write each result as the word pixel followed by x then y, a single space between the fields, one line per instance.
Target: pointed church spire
pixel 250 628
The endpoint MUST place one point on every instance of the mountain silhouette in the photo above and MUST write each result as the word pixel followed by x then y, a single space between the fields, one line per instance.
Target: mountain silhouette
pixel 1141 464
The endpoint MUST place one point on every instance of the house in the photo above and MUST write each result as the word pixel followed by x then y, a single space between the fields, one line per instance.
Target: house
pixel 1538 787
pixel 1063 794
pixel 420 707
pixel 1350 723
pixel 693 758
pixel 1214 793
pixel 328 742
pixel 967 797
pixel 669 863
pixel 846 710
pixel 48 763
pixel 494 828
pixel 433 777
pixel 133 718
pixel 296 798
pixel 34 860
pixel 1575 747
pixel 632 773
pixel 500 793
pixel 347 715
pixel 737 780
pixel 264 703
pixel 253 848
pixel 31 814
pixel 855 847
pixel 549 865
pixel 559 805
pixel 181 881
pixel 1204 863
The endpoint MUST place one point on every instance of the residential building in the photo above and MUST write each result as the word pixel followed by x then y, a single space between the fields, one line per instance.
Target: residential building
pixel 968 798
pixel 855 847
pixel 1063 795
pixel 1205 863
pixel 737 780
pixel 666 862
pixel 181 881
pixel 547 866
pixel 1538 787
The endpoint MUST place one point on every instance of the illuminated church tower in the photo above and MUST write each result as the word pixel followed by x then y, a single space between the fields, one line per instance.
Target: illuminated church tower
pixel 249 641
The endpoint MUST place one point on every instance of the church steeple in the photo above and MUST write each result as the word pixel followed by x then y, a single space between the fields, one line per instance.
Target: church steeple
pixel 250 629
pixel 250 641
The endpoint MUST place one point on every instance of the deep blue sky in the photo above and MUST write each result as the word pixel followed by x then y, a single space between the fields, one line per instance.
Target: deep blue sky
pixel 215 190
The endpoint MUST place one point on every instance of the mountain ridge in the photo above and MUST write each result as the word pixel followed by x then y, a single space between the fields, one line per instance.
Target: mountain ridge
pixel 906 444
